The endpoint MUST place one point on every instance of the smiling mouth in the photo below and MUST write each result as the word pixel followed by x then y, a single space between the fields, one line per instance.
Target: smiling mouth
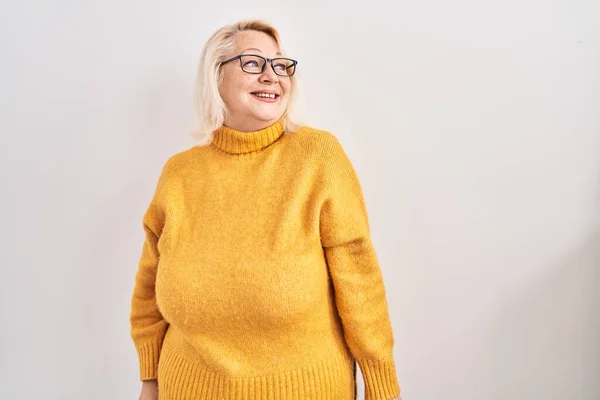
pixel 266 96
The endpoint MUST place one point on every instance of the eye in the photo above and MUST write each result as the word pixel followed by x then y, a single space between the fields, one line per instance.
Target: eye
pixel 280 67
pixel 251 63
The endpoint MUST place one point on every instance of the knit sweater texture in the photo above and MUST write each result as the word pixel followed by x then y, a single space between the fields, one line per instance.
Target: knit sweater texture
pixel 258 279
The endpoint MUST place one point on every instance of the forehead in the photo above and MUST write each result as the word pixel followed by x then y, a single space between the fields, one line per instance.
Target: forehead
pixel 258 42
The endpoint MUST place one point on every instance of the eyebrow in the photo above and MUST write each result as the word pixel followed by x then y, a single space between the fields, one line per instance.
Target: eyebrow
pixel 259 50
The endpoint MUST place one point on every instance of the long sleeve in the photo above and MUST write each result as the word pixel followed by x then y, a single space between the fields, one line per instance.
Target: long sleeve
pixel 357 278
pixel 148 326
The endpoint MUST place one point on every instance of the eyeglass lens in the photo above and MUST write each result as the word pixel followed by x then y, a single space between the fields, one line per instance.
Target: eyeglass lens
pixel 254 65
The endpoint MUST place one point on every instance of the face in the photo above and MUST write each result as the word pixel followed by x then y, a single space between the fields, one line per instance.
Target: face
pixel 238 89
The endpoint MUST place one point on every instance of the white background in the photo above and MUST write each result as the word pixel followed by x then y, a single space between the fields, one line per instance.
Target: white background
pixel 474 127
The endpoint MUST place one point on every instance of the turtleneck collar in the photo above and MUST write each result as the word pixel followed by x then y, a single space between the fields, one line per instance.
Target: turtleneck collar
pixel 237 142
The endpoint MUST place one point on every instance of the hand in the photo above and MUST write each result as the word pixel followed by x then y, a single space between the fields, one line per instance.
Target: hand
pixel 149 390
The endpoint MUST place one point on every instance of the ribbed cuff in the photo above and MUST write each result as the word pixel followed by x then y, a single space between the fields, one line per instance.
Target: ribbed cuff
pixel 381 382
pixel 148 354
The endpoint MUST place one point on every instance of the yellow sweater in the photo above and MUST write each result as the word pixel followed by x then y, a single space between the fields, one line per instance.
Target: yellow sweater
pixel 258 278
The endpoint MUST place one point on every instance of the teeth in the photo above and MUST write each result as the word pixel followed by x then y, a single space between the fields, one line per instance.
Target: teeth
pixel 269 95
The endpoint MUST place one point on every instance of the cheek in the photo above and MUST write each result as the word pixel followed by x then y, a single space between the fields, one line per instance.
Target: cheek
pixel 234 89
pixel 286 86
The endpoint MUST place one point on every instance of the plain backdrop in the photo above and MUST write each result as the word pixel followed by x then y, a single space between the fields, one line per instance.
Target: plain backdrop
pixel 474 127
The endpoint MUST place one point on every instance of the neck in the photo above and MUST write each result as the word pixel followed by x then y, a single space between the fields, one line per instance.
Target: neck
pixel 248 124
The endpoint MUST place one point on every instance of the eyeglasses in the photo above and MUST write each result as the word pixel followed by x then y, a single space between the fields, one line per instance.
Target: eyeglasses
pixel 255 64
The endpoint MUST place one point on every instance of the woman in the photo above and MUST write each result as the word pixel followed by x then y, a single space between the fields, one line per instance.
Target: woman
pixel 258 278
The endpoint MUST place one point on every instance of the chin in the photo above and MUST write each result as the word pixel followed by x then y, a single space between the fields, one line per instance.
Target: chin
pixel 268 116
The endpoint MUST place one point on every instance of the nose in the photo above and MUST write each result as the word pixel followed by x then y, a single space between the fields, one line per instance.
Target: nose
pixel 268 75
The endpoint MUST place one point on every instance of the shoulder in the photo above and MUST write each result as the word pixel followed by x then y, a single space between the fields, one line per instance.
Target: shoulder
pixel 325 152
pixel 177 163
pixel 173 168
pixel 317 142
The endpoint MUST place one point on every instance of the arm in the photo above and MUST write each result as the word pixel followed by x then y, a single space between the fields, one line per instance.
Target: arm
pixel 148 327
pixel 359 290
pixel 149 390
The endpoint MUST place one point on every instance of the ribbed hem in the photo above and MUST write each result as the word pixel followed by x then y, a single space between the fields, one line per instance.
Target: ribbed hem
pixel 330 379
pixel 148 354
pixel 381 382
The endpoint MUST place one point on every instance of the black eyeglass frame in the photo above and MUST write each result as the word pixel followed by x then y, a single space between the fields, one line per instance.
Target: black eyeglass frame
pixel 267 61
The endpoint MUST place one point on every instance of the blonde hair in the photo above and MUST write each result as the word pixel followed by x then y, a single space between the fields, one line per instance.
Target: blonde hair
pixel 210 107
